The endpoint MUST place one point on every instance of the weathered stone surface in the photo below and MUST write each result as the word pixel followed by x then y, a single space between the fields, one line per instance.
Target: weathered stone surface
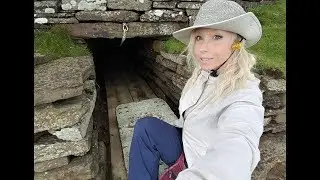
pixel 159 67
pixel 270 112
pixel 278 122
pixel 128 114
pixel 182 70
pixel 177 58
pixel 115 16
pixel 192 12
pixel 74 133
pixel 281 116
pixel 191 15
pixel 167 63
pixel 162 15
pixel 45 6
pixel 79 130
pixel 84 5
pixel 271 101
pixel 189 5
pixel 137 5
pixel 162 85
pixel 157 45
pixel 49 147
pixel 267 121
pixel 51 164
pixel 64 114
pixel 54 15
pixel 275 127
pixel 273 86
pixel 114 30
pixel 170 4
pixel 70 20
pixel 174 90
pixel 178 80
pixel 157 90
pixel 80 168
pixel 41 59
pixel 62 78
pixel 191 20
pixel 102 174
pixel 273 157
pixel 159 74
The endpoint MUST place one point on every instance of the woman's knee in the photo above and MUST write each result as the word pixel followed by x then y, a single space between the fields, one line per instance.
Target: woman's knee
pixel 145 124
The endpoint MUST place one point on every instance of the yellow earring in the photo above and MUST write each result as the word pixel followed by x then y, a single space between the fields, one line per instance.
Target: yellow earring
pixel 236 45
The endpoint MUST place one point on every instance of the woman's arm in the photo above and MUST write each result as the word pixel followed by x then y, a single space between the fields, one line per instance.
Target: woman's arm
pixel 235 153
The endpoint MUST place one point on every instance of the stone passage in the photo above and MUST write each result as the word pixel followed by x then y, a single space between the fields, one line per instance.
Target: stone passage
pixel 66 142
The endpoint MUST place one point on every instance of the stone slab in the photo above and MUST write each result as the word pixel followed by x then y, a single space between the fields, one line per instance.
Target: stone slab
pixel 88 5
pixel 51 164
pixel 137 5
pixel 50 147
pixel 61 78
pixel 80 168
pixel 77 131
pixel 177 58
pixel 163 15
pixel 128 114
pixel 115 16
pixel 166 63
pixel 165 5
pixel 64 114
pixel 115 30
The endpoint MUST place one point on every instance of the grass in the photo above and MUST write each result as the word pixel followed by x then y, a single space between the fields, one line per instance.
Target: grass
pixel 57 42
pixel 173 46
pixel 271 49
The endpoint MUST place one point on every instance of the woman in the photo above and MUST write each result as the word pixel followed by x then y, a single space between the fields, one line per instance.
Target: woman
pixel 221 112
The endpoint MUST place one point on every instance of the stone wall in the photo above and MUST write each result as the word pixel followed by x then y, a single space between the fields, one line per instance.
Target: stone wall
pixel 105 18
pixel 66 142
pixel 167 74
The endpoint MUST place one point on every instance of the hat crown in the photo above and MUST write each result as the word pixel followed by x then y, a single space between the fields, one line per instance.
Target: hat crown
pixel 214 11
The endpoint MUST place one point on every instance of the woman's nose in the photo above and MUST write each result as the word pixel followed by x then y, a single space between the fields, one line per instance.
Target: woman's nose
pixel 204 46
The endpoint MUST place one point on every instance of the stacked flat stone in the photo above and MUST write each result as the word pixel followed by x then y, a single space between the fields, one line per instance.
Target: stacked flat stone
pixel 66 139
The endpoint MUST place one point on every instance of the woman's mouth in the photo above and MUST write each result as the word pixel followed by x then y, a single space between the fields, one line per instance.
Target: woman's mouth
pixel 206 59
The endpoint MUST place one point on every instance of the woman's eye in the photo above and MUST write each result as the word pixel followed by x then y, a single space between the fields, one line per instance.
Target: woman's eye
pixel 198 38
pixel 216 37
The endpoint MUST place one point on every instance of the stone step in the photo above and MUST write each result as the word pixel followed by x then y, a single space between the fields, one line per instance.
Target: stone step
pixel 129 113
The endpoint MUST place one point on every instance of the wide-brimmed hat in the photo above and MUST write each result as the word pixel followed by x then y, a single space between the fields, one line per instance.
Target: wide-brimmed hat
pixel 224 15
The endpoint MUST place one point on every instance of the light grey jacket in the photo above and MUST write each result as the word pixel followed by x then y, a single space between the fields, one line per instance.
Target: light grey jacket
pixel 220 139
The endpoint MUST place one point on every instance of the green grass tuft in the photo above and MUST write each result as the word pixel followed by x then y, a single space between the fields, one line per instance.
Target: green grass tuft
pixel 57 42
pixel 173 46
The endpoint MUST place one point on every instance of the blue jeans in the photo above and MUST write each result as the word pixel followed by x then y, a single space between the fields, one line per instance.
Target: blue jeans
pixel 153 139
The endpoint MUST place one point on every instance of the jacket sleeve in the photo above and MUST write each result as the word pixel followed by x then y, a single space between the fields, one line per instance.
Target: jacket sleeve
pixel 235 153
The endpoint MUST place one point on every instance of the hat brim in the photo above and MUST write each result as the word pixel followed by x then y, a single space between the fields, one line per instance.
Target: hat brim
pixel 247 25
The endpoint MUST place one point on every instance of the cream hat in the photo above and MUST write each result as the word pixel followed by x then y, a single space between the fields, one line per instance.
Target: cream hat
pixel 224 15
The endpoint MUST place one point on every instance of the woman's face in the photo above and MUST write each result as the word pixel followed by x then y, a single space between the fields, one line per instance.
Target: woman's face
pixel 212 47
